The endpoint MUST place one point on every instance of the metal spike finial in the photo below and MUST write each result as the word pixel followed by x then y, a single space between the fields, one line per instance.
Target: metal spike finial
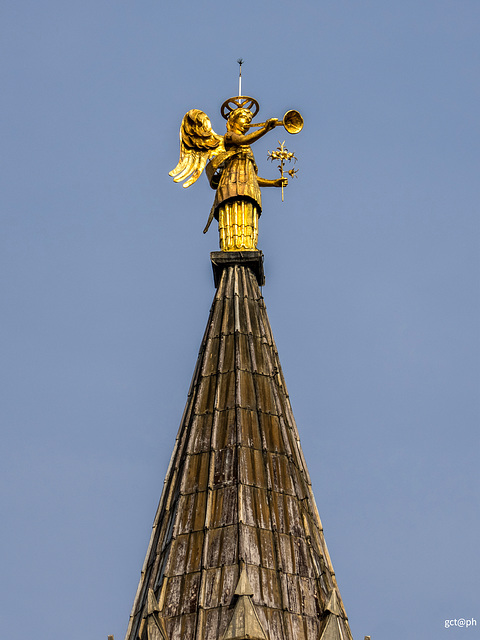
pixel 240 62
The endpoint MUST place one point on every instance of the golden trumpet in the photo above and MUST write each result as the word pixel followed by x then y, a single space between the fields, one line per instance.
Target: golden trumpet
pixel 292 121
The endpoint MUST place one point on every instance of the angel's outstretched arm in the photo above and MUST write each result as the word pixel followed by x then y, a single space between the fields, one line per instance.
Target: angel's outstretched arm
pixel 240 138
pixel 279 182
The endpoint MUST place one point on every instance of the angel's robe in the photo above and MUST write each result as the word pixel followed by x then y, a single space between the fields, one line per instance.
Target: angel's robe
pixel 233 174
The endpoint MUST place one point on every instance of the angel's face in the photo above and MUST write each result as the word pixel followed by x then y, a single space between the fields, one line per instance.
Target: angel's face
pixel 241 121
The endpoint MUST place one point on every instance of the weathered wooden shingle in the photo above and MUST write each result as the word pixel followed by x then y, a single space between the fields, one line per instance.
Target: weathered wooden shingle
pixel 237 495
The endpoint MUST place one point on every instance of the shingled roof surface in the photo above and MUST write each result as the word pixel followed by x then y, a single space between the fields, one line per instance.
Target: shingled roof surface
pixel 237 532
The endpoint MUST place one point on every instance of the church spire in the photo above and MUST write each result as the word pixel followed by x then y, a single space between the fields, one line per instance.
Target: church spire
pixel 237 548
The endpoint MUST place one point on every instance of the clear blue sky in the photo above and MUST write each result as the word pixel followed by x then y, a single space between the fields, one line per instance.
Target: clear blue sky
pixel 372 267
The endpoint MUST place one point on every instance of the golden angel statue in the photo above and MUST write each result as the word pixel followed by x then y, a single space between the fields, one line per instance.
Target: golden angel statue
pixel 230 167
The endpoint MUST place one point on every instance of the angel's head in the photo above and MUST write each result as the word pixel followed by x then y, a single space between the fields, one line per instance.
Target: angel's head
pixel 239 120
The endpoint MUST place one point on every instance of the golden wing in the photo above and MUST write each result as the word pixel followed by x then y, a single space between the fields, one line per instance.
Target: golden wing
pixel 198 143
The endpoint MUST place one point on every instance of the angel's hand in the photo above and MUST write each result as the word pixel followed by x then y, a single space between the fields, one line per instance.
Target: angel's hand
pixel 281 182
pixel 270 124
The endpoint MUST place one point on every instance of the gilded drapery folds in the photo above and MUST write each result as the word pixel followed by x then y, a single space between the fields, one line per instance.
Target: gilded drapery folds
pixel 238 201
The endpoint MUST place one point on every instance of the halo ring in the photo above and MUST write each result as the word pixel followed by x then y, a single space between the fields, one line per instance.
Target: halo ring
pixel 239 102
